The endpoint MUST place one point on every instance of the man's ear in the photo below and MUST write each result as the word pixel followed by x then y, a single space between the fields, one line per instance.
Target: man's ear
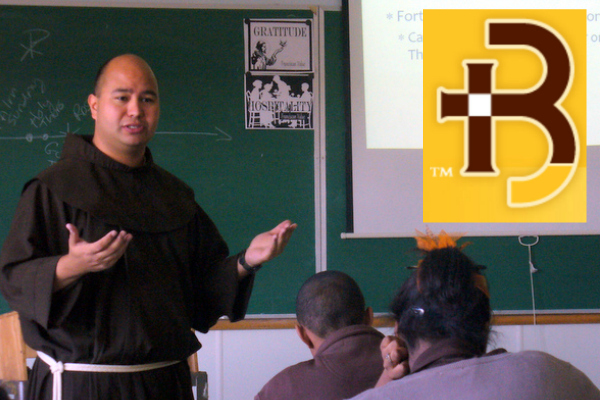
pixel 368 316
pixel 93 103
pixel 301 331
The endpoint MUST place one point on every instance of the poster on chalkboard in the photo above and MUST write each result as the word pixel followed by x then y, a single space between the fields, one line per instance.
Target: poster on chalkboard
pixel 279 101
pixel 279 74
pixel 278 45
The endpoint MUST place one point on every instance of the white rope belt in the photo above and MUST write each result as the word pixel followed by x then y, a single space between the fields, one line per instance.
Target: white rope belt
pixel 58 367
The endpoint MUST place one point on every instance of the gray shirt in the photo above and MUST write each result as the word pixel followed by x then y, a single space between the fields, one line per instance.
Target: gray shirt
pixel 530 375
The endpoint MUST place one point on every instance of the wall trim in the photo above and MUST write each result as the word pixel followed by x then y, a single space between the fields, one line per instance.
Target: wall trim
pixel 388 322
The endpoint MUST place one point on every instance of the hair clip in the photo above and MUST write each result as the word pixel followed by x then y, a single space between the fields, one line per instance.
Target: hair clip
pixel 417 311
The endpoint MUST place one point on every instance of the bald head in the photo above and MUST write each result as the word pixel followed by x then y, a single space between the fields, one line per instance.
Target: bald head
pixel 118 63
pixel 126 108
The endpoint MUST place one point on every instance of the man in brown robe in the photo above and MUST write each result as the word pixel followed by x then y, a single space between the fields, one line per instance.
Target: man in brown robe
pixel 110 261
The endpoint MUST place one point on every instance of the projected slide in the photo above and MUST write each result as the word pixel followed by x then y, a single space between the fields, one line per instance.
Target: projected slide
pixel 392 43
pixel 387 50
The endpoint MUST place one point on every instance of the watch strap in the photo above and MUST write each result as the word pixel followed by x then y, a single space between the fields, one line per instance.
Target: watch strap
pixel 244 264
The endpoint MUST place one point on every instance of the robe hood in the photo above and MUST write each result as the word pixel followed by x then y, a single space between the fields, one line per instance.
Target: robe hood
pixel 146 198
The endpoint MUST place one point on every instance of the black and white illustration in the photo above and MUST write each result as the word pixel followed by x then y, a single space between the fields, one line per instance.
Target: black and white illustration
pixel 278 45
pixel 279 101
pixel 279 74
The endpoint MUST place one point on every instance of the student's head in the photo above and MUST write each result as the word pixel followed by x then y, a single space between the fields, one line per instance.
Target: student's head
pixel 446 297
pixel 329 301
pixel 125 106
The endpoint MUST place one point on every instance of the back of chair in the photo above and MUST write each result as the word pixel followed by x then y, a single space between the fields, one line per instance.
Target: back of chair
pixel 13 350
pixel 199 378
pixel 193 363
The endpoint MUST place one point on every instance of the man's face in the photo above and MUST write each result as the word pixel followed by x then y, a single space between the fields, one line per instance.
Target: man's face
pixel 125 107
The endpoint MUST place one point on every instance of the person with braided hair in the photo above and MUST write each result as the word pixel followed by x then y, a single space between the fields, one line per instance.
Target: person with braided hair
pixel 443 316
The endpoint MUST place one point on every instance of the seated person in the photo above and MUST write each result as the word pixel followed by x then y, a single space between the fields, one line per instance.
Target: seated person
pixel 335 325
pixel 443 315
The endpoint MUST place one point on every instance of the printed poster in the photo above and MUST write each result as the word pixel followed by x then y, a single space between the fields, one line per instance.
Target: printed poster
pixel 279 74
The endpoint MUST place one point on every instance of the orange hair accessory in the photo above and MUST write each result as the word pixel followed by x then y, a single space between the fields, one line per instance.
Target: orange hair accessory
pixel 429 241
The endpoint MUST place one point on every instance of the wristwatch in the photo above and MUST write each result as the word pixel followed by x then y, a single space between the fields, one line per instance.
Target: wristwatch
pixel 243 263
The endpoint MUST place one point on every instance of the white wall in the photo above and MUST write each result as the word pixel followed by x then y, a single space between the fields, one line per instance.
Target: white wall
pixel 239 363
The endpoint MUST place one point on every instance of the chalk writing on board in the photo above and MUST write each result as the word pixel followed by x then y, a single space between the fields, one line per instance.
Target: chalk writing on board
pixel 221 135
pixel 36 36
pixel 81 110
pixel 53 150
pixel 53 147
pixel 16 102
pixel 46 113
pixel 30 137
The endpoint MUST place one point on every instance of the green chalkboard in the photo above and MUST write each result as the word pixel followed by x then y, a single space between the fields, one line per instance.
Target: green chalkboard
pixel 568 276
pixel 246 180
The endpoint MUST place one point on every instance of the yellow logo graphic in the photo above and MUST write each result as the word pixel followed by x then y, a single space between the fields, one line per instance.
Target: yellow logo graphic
pixel 521 111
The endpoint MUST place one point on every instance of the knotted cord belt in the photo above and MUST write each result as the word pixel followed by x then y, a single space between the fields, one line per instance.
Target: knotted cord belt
pixel 58 367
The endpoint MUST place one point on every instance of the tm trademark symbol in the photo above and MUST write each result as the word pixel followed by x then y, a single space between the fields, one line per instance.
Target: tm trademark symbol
pixel 441 172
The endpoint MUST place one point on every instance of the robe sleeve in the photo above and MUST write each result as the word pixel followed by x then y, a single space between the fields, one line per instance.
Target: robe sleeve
pixel 217 291
pixel 35 242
